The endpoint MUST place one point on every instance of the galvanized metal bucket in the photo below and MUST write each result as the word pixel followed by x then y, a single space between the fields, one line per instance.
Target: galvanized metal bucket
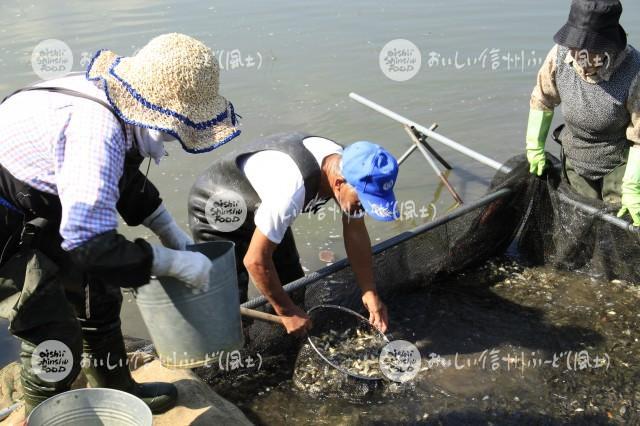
pixel 192 330
pixel 91 407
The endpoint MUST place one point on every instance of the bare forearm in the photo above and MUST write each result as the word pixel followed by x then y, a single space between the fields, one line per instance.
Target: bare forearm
pixel 265 277
pixel 358 247
pixel 260 266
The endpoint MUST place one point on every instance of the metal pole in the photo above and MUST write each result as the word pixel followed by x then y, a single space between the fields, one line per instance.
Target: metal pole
pixel 259 315
pixel 433 164
pixel 385 245
pixel 434 153
pixel 613 220
pixel 442 139
pixel 407 154
pixel 414 147
pixel 620 223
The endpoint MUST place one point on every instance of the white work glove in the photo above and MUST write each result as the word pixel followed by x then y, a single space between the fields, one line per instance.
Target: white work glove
pixel 161 223
pixel 190 267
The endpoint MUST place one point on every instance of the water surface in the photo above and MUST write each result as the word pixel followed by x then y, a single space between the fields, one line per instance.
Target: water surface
pixel 313 54
pixel 502 344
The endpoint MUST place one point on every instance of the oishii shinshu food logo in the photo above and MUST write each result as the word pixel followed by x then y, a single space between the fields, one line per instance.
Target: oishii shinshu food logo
pixel 226 210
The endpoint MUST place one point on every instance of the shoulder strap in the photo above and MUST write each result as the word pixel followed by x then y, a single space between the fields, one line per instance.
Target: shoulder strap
pixel 74 93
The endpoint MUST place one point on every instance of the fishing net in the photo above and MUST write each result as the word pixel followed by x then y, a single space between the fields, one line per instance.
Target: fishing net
pixel 570 232
pixel 538 220
pixel 466 237
pixel 341 355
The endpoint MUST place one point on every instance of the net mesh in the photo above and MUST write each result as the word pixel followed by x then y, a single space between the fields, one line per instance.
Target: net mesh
pixel 452 246
pixel 415 259
pixel 540 220
pixel 340 356
pixel 565 230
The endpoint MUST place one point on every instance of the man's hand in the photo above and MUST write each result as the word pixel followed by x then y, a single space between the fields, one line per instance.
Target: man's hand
pixel 262 270
pixel 296 321
pixel 377 311
pixel 358 246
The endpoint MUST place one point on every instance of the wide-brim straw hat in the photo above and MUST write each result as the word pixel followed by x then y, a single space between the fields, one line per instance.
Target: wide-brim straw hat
pixel 170 85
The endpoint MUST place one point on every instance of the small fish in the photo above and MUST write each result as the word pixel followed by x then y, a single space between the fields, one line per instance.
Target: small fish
pixel 354 350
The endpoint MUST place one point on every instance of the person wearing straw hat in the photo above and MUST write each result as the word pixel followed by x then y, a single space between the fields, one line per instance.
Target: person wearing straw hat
pixel 252 196
pixel 69 164
pixel 594 75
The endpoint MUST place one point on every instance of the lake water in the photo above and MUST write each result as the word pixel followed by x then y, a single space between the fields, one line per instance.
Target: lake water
pixel 502 344
pixel 309 56
pixel 305 58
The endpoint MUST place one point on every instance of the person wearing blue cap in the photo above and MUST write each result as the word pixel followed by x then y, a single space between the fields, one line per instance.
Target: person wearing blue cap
pixel 252 196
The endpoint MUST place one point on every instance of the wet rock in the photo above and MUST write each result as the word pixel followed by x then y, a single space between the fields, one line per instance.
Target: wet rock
pixel 197 402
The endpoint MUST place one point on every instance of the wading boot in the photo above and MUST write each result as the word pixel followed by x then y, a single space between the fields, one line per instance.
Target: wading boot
pixel 105 365
pixel 36 390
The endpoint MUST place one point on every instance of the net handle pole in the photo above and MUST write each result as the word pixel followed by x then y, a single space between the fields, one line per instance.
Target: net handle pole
pixel 261 316
pixel 609 218
pixel 384 245
pixel 413 147
pixel 432 163
pixel 425 131
pixel 620 223
pixel 423 140
pixel 406 154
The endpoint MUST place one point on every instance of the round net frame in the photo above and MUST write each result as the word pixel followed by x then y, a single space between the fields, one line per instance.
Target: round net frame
pixel 341 355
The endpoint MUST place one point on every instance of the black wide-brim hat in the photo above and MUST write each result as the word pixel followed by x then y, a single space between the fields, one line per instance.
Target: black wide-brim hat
pixel 593 25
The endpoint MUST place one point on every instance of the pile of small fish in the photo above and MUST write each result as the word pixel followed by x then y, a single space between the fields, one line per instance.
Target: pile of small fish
pixel 354 351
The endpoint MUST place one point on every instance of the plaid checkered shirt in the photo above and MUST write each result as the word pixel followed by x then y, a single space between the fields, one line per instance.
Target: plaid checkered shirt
pixel 70 147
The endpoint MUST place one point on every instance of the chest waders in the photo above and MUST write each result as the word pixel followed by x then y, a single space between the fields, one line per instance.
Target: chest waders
pixel 47 298
pixel 226 175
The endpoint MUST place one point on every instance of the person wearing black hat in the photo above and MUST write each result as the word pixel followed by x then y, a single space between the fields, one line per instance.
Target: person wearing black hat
pixel 594 74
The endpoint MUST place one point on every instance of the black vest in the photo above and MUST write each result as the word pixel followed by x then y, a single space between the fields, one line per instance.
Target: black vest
pixel 226 174
pixel 596 116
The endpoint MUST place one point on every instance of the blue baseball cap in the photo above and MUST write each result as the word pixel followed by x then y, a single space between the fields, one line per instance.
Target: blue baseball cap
pixel 372 171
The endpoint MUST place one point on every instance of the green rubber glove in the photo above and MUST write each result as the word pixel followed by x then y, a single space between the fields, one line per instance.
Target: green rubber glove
pixel 537 131
pixel 631 186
